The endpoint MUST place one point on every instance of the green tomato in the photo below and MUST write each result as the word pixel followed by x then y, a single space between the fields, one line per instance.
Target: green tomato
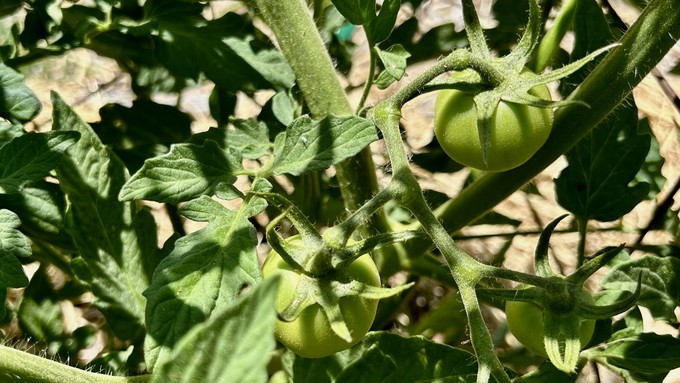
pixel 517 131
pixel 525 321
pixel 310 334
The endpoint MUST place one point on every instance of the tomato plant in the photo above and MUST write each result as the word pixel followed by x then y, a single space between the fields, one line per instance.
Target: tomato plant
pixel 517 131
pixel 154 152
pixel 310 334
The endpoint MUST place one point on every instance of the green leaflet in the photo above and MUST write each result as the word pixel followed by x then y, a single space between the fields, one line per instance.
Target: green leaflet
pixel 204 273
pixel 232 346
pixel 316 145
pixel 660 284
pixel 597 184
pixel 17 101
pixel 31 157
pixel 188 45
pixel 13 244
pixel 186 172
pixel 116 243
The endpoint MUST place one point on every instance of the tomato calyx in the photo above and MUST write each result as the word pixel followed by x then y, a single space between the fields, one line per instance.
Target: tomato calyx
pixel 565 304
pixel 506 78
pixel 322 262
pixel 327 292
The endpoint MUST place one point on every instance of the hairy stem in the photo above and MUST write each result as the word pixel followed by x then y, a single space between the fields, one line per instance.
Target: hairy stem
pixel 465 270
pixel 34 369
pixel 306 53
pixel 369 81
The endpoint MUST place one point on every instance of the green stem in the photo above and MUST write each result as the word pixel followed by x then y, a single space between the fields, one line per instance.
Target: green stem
pixel 552 38
pixel 343 231
pixel 34 369
pixel 481 339
pixel 582 232
pixel 306 53
pixel 642 47
pixel 465 270
pixel 369 81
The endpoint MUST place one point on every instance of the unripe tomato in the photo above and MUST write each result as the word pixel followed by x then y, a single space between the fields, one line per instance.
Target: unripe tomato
pixel 517 131
pixel 525 321
pixel 310 335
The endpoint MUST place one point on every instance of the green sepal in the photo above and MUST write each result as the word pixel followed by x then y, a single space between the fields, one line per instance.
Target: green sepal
pixel 519 56
pixel 541 260
pixel 467 80
pixel 308 258
pixel 474 30
pixel 608 311
pixel 561 341
pixel 486 104
pixel 559 73
pixel 589 268
pixel 327 292
pixel 529 294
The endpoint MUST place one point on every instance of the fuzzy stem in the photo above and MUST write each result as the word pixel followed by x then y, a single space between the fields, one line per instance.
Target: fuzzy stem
pixel 306 53
pixel 34 369
pixel 344 230
pixel 465 270
pixel 369 81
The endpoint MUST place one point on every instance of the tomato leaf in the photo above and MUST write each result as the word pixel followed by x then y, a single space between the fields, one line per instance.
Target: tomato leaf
pixel 204 273
pixel 31 157
pixel 547 372
pixel 223 49
pixel 316 145
pixel 41 206
pixel 394 62
pixel 17 101
pixel 186 172
pixel 597 182
pixel 144 130
pixel 660 283
pixel 232 346
pixel 13 244
pixel 356 12
pixel 39 313
pixel 650 172
pixel 380 27
pixel 389 357
pixel 116 243
pixel 9 131
pixel 646 352
pixel 249 137
pixel 10 6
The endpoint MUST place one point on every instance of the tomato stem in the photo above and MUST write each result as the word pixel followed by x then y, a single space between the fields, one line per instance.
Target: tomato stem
pixel 301 44
pixel 35 369
pixel 465 270
pixel 369 79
